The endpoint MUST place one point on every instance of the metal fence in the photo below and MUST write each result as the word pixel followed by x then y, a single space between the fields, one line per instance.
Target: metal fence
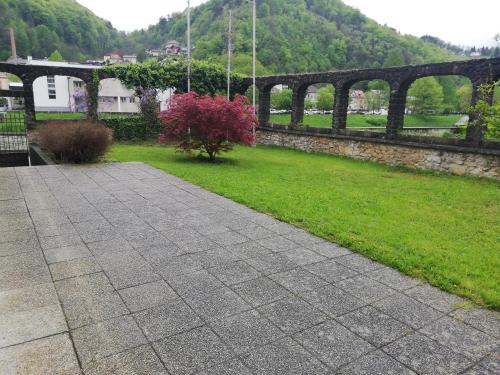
pixel 13 133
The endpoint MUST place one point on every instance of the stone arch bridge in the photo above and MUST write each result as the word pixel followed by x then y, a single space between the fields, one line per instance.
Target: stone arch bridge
pixel 399 79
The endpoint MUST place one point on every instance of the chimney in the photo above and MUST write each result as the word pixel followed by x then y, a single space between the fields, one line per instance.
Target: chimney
pixel 13 44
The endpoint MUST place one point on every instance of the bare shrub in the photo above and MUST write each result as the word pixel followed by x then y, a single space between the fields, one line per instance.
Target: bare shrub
pixel 75 141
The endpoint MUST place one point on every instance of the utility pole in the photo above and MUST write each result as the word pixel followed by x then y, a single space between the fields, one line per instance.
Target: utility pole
pixel 189 45
pixel 254 18
pixel 229 48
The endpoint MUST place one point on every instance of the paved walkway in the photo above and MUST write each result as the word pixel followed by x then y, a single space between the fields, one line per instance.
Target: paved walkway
pixel 122 269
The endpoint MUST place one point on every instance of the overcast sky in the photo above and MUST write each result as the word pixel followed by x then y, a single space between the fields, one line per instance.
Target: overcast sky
pixel 462 22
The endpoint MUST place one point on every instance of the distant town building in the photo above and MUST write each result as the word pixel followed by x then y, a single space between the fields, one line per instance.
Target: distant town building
pixel 171 49
pixel 312 94
pixel 358 101
pixel 119 58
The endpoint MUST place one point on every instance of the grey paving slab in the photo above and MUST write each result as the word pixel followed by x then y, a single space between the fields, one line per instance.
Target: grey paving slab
pixel 97 341
pixel 231 367
pixel 328 249
pixel 374 326
pixel 365 288
pixel 28 298
pixel 330 271
pixel 168 319
pixel 333 344
pixel 435 298
pixel 249 249
pixel 145 296
pixel 73 268
pixel 246 331
pixel 21 326
pixel 234 273
pixel 461 338
pixel 292 314
pixel 332 300
pixel 60 241
pixel 241 292
pixel 303 256
pixel 298 280
pixel 194 283
pixel 284 356
pixel 484 320
pixel 137 361
pixel 61 254
pixel 426 356
pixel 393 278
pixel 375 363
pixel 192 351
pixel 261 291
pixel 217 303
pixel 109 246
pixel 214 257
pixel 407 310
pixel 52 355
pixel 358 263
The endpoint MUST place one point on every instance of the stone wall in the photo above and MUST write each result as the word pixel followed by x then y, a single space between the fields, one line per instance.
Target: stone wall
pixel 456 161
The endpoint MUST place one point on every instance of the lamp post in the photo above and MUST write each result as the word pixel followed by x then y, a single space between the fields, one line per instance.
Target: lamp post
pixel 189 45
pixel 254 21
pixel 229 47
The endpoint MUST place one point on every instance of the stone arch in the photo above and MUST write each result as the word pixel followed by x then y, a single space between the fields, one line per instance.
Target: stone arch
pixel 449 102
pixel 59 93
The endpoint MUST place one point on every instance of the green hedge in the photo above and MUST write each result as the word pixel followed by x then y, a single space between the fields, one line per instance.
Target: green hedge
pixel 129 129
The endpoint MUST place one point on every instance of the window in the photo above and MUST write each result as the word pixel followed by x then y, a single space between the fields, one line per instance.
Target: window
pixel 131 99
pixel 78 84
pixel 123 99
pixel 51 86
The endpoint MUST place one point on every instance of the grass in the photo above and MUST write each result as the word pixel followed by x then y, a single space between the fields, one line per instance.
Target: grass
pixel 441 228
pixel 357 121
pixel 75 115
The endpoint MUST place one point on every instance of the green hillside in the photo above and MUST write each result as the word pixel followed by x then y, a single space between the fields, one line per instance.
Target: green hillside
pixel 42 26
pixel 293 35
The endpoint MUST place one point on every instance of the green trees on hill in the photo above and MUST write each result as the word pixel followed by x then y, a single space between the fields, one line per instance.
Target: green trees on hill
pixel 293 36
pixel 42 26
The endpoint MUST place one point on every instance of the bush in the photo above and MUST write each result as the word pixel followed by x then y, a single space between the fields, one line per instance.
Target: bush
pixel 131 128
pixel 75 141
pixel 208 124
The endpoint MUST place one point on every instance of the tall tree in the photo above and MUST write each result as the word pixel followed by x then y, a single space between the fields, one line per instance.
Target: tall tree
pixel 425 96
pixel 55 56
pixel 394 58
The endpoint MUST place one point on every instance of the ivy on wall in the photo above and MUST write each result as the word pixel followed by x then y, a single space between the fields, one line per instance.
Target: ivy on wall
pixel 206 78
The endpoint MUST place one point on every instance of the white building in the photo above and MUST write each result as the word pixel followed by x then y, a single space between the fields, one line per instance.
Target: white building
pixel 68 94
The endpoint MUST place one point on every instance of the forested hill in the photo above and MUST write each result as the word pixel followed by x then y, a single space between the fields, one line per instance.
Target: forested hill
pixel 42 26
pixel 293 35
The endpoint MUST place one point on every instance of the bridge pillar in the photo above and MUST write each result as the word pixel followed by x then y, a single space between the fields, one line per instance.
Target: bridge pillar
pixel 29 103
pixel 475 129
pixel 396 115
pixel 298 100
pixel 92 90
pixel 340 106
pixel 264 105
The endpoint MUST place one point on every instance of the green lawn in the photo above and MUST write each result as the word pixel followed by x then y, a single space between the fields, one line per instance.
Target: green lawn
pixel 356 121
pixel 75 115
pixel 441 228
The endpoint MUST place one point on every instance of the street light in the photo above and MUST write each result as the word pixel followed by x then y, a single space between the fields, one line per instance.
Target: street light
pixel 229 47
pixel 189 45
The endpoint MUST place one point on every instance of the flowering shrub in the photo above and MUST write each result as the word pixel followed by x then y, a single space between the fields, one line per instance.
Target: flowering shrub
pixel 208 124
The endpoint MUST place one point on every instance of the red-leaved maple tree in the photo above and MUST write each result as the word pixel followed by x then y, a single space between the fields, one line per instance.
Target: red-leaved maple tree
pixel 208 124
